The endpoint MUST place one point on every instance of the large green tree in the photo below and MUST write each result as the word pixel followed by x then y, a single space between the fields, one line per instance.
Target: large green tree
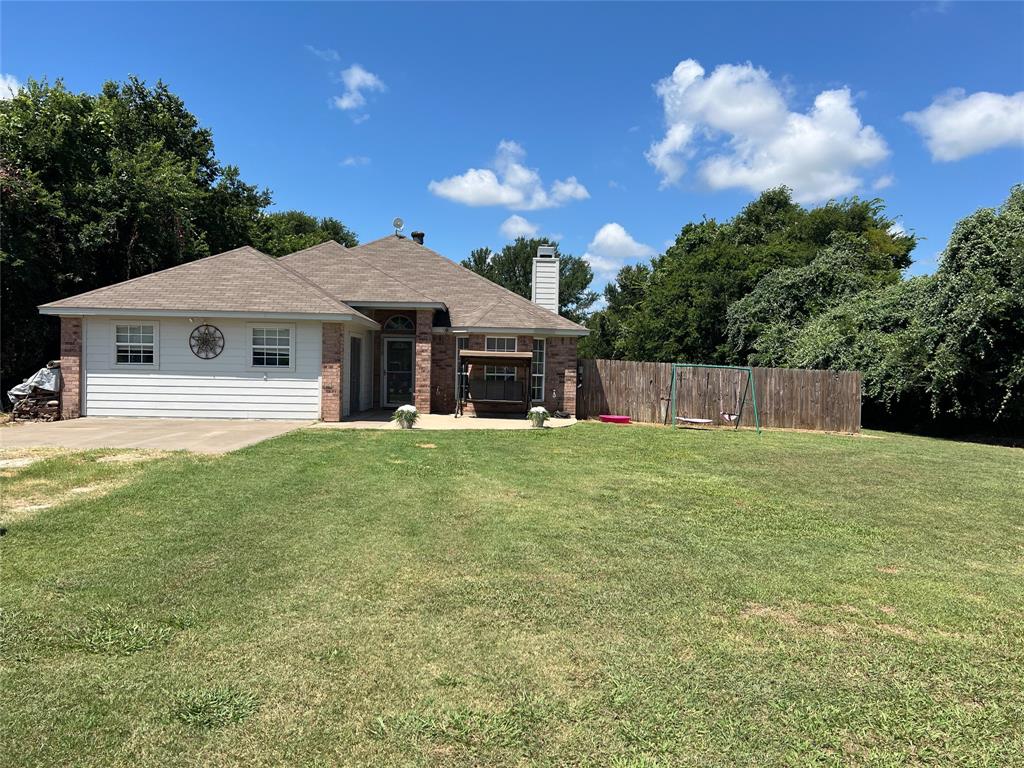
pixel 947 347
pixel 682 314
pixel 99 188
pixel 285 232
pixel 512 268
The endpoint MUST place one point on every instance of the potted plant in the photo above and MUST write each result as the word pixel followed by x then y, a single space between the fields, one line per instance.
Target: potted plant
pixel 406 416
pixel 538 415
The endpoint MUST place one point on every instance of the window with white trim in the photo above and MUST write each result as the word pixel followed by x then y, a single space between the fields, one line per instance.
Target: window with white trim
pixel 463 373
pixel 271 347
pixel 500 344
pixel 399 323
pixel 537 370
pixel 135 344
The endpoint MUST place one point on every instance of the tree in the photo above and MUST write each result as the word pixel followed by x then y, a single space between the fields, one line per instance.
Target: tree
pixel 948 348
pixel 763 324
pixel 285 232
pixel 101 188
pixel 607 326
pixel 512 268
pixel 683 312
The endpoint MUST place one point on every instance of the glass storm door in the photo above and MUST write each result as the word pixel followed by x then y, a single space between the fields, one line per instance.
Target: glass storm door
pixel 398 371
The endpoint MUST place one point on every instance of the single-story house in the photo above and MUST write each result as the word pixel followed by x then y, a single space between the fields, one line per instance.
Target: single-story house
pixel 321 333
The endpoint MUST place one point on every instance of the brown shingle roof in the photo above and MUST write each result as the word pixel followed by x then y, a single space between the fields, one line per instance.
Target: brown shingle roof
pixel 242 280
pixel 400 270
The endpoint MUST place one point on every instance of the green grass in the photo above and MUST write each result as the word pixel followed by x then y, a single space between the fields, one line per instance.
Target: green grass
pixel 589 596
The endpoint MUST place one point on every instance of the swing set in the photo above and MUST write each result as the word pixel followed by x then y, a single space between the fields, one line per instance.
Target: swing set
pixel 733 416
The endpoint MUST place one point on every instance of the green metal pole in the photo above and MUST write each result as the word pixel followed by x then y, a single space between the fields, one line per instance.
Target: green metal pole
pixel 753 392
pixel 672 389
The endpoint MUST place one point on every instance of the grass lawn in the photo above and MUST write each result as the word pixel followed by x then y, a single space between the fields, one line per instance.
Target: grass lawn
pixel 596 595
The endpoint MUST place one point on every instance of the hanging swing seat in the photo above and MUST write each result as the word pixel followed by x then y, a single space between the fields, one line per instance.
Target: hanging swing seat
pixel 691 420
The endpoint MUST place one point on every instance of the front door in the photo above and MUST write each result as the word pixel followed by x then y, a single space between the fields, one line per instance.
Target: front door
pixel 398 371
pixel 355 368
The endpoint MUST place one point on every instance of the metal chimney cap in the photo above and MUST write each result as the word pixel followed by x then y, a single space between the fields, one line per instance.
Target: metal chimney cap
pixel 418 237
pixel 545 251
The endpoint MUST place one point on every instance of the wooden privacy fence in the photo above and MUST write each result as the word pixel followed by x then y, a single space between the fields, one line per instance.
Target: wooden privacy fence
pixel 790 398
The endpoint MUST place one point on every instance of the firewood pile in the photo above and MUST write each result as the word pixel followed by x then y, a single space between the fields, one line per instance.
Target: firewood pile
pixel 38 397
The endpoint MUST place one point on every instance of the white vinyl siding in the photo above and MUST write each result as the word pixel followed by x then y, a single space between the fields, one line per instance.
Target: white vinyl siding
pixel 500 344
pixel 183 385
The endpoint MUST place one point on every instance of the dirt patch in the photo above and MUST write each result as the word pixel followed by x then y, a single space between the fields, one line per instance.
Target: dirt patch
pixel 132 457
pixel 888 610
pixel 887 569
pixel 895 629
pixel 769 612
pixel 18 508
pixel 425 445
pixel 18 463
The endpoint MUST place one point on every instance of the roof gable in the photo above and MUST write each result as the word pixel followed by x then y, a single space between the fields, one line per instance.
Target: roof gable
pixel 472 300
pixel 240 280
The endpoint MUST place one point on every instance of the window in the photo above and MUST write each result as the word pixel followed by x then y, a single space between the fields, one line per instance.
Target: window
pixel 537 371
pixel 135 344
pixel 399 323
pixel 500 344
pixel 463 374
pixel 271 347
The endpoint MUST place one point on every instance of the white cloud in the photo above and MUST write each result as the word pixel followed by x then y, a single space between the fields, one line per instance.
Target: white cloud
pixel 883 182
pixel 611 248
pixel 9 87
pixel 508 183
pixel 516 226
pixel 327 54
pixel 358 82
pixel 955 125
pixel 897 229
pixel 355 160
pixel 753 141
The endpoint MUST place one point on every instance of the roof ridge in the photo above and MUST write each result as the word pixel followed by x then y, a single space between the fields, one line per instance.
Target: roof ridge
pixel 367 262
pixel 276 261
pixel 522 299
pixel 159 271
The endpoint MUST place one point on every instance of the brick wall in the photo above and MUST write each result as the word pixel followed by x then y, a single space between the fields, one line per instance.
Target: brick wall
pixel 71 367
pixel 424 343
pixel 442 374
pixel 331 371
pixel 560 374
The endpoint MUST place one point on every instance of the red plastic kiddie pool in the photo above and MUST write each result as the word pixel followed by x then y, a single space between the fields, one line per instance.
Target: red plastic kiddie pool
pixel 609 418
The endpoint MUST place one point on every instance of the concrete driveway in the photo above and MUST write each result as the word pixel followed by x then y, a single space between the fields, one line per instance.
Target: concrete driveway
pixel 197 435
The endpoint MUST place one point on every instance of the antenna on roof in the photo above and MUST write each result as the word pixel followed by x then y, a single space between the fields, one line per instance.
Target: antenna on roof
pixel 398 224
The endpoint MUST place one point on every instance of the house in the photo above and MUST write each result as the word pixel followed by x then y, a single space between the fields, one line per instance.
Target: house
pixel 321 333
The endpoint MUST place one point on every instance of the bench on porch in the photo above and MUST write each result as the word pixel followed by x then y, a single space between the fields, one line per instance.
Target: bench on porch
pixel 481 391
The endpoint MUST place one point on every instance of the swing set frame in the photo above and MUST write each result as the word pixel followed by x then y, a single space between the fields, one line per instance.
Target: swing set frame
pixel 749 385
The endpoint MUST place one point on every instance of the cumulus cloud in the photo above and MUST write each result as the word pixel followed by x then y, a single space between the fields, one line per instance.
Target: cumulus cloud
pixel 883 182
pixel 353 161
pixel 327 54
pixel 516 226
pixel 509 183
pixel 611 248
pixel 358 82
pixel 955 125
pixel 9 86
pixel 738 118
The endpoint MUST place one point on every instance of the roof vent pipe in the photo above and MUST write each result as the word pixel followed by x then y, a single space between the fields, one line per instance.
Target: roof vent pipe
pixel 418 237
pixel 545 278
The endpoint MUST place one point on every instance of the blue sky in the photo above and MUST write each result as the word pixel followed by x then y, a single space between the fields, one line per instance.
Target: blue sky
pixel 607 125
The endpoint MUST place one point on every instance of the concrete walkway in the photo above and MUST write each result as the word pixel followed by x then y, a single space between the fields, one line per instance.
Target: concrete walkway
pixel 197 435
pixel 382 420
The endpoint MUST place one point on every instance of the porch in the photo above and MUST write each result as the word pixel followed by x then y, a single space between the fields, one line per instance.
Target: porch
pixel 438 421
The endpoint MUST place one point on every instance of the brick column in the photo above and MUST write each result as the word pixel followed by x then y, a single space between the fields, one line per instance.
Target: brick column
pixel 332 341
pixel 71 367
pixel 560 379
pixel 424 342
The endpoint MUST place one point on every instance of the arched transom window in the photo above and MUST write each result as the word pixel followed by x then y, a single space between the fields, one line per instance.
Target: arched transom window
pixel 399 323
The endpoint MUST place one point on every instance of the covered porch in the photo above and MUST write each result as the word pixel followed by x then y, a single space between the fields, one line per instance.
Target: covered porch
pixel 381 419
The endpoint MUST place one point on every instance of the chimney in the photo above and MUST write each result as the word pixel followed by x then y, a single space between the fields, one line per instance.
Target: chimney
pixel 418 237
pixel 545 278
